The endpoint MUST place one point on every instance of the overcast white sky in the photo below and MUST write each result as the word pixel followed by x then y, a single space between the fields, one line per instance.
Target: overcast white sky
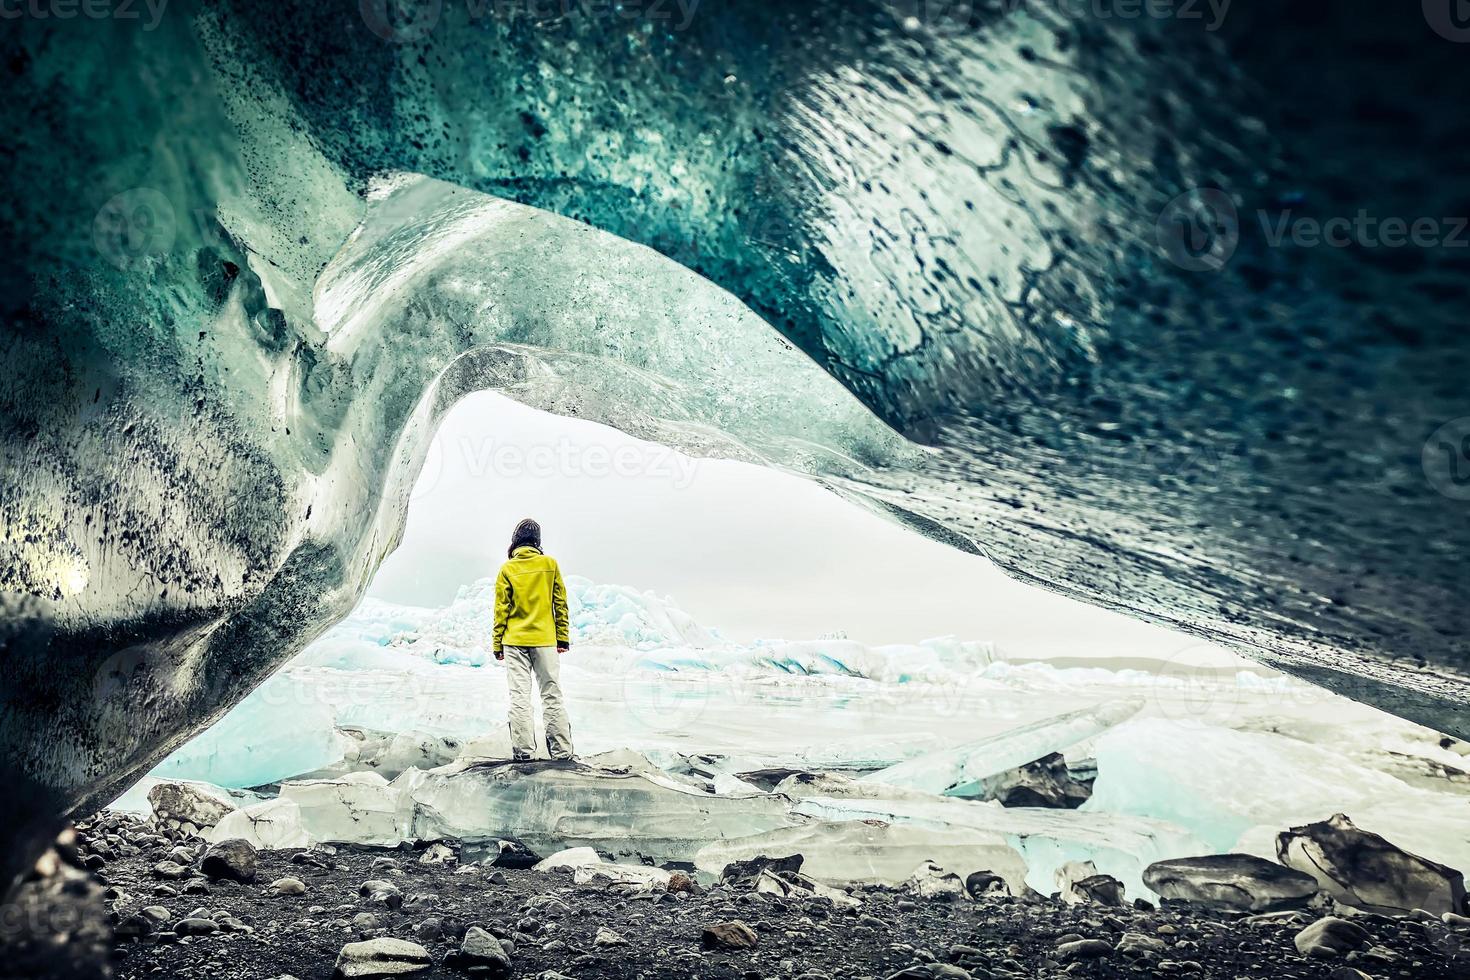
pixel 753 552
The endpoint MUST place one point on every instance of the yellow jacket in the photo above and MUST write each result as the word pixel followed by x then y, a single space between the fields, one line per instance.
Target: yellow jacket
pixel 530 602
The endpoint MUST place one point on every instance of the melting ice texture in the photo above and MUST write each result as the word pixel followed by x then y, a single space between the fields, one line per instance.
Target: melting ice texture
pixel 1210 752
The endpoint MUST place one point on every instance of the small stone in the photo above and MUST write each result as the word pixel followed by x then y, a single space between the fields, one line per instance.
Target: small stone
pixel 430 930
pixel 482 954
pixel 382 957
pixel 1135 944
pixel 287 886
pixel 1084 949
pixel 1330 936
pixel 231 860
pixel 135 927
pixel 196 927
pixel 385 892
pixel 930 971
pixel 734 934
pixel 171 870
pixel 606 937
pixel 365 922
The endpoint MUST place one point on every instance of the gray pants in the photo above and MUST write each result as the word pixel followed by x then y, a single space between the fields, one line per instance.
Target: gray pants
pixel 519 662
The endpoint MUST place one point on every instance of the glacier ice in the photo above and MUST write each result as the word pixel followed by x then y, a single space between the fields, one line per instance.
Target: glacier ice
pixel 361 808
pixel 935 714
pixel 959 771
pixel 278 734
pixel 1231 787
pixel 846 852
pixel 1119 845
pixel 626 814
pixel 958 230
pixel 270 824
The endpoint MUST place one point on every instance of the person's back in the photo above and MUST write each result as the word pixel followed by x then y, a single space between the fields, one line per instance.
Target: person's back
pixel 531 629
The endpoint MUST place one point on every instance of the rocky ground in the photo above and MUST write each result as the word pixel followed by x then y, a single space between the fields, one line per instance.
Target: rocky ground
pixel 177 913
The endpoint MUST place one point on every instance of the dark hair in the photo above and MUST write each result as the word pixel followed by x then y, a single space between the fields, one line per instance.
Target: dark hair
pixel 527 532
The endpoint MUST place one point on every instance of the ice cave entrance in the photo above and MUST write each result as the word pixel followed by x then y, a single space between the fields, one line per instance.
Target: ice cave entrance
pixel 739 631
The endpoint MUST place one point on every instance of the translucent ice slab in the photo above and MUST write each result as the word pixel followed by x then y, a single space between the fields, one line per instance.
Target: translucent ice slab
pixel 555 805
pixel 1121 846
pixel 856 851
pixel 1226 785
pixel 957 771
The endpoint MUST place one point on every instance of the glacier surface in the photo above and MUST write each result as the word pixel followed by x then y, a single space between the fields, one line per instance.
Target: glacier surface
pixel 678 726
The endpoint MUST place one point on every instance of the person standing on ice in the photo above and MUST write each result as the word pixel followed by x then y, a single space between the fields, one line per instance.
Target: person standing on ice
pixel 531 630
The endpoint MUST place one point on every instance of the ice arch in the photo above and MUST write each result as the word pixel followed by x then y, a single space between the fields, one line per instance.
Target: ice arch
pixel 951 209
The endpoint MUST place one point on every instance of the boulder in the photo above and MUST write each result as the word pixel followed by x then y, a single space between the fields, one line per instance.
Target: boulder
pixel 794 884
pixel 382 957
pixel 232 860
pixel 1084 949
pixel 287 886
pixel 195 926
pixel 498 853
pixel 981 883
pixel 1329 937
pixel 1241 882
pixel 734 935
pixel 1079 882
pixel 171 870
pixel 200 804
pixel 1046 782
pixel 385 892
pixel 1362 870
pixel 480 954
pixel 743 875
pixel 929 880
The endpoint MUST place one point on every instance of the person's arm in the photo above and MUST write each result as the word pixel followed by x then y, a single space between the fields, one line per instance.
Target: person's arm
pixel 559 613
pixel 502 612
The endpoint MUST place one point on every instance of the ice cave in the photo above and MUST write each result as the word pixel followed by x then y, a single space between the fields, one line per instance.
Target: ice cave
pixel 1150 306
